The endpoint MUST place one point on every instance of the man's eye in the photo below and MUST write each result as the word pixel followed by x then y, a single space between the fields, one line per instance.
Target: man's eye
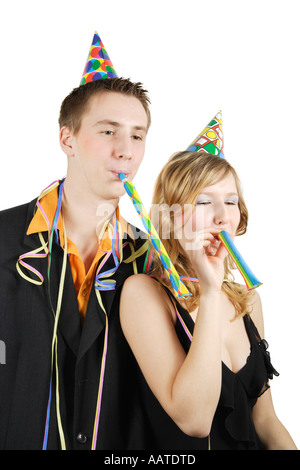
pixel 137 137
pixel 108 132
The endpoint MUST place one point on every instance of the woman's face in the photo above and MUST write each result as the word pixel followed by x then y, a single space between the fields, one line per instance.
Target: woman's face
pixel 216 208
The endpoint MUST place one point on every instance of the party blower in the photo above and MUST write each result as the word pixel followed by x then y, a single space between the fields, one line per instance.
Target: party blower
pixel 178 286
pixel 251 281
pixel 180 289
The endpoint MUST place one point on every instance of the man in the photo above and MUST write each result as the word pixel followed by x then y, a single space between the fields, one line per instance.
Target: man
pixel 63 259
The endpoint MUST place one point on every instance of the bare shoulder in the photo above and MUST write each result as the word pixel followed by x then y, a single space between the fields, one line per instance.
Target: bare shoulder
pixel 142 281
pixel 257 313
pixel 255 305
pixel 141 286
pixel 141 293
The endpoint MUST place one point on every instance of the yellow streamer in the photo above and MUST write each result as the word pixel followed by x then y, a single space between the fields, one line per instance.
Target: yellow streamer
pixel 58 309
pixel 54 347
pixel 31 254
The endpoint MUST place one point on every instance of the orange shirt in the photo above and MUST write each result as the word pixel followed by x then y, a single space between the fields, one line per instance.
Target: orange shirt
pixel 82 281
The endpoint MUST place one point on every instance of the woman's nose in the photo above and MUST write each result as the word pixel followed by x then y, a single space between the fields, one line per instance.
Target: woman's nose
pixel 221 216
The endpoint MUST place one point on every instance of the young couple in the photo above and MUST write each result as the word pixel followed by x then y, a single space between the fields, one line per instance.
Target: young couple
pixel 99 354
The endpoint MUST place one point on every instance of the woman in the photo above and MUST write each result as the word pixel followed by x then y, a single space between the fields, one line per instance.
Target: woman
pixel 202 359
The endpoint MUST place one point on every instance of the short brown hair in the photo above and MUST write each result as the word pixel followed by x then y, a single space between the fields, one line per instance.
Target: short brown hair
pixel 75 105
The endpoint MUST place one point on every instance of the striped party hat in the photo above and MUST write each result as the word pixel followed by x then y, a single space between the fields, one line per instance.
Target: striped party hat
pixel 210 140
pixel 98 63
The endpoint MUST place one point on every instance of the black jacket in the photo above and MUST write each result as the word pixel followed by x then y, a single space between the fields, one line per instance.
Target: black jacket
pixel 26 328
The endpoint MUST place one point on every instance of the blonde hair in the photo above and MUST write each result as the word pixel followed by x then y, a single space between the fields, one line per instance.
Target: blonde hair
pixel 180 182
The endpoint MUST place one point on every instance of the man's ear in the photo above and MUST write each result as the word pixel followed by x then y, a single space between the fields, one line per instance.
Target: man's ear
pixel 66 139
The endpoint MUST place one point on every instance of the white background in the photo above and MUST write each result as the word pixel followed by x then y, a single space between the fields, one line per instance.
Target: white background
pixel 195 58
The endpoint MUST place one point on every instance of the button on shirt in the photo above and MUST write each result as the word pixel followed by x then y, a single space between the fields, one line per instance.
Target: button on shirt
pixel 81 438
pixel 83 280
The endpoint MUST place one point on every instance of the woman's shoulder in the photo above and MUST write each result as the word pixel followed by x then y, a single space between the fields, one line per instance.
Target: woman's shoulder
pixel 141 281
pixel 254 306
pixel 142 287
pixel 141 295
pixel 255 310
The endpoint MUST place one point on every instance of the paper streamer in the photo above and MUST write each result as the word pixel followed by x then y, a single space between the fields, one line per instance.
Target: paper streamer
pixel 251 281
pixel 178 286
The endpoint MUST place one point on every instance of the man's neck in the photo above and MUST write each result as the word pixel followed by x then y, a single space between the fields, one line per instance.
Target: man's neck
pixel 84 217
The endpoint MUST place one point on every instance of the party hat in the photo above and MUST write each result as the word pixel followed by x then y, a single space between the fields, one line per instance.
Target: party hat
pixel 210 140
pixel 98 63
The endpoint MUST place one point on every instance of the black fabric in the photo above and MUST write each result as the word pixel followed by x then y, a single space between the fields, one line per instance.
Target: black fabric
pixel 131 417
pixel 232 427
pixel 26 328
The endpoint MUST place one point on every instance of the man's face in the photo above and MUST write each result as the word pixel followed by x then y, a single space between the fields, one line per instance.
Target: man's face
pixel 111 140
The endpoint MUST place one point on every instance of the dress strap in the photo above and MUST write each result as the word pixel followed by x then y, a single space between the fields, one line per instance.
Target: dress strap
pixel 263 346
pixel 252 327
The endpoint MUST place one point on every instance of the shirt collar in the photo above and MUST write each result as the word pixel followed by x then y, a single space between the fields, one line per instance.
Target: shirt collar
pixel 49 205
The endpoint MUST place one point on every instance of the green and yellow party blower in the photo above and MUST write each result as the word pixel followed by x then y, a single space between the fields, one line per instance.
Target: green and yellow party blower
pixel 178 286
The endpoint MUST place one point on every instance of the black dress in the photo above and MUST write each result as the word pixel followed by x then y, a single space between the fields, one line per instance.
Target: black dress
pixel 232 427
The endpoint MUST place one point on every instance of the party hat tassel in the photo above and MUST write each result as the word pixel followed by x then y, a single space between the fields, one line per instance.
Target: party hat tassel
pixel 178 286
pixel 251 281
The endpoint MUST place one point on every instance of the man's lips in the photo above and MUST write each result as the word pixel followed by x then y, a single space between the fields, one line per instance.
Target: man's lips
pixel 117 172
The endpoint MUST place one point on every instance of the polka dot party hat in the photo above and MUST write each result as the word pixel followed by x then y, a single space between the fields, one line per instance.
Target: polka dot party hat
pixel 98 63
pixel 210 140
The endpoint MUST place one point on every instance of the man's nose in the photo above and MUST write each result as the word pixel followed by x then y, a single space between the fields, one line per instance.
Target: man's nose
pixel 123 148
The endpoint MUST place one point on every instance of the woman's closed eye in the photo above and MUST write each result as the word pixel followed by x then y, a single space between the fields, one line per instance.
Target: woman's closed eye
pixel 232 202
pixel 203 203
